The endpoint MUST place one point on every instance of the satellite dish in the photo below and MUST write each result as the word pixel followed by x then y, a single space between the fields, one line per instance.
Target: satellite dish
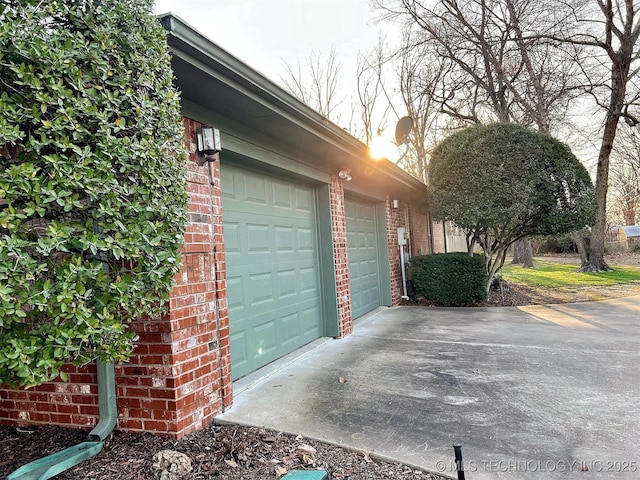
pixel 403 128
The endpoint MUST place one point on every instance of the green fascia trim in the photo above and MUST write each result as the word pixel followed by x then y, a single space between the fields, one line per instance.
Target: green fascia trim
pixel 383 254
pixel 238 153
pixel 327 263
pixel 185 39
pixel 56 463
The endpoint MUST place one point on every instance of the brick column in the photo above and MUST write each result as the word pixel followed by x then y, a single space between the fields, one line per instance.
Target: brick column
pixel 341 256
pixel 394 220
pixel 180 376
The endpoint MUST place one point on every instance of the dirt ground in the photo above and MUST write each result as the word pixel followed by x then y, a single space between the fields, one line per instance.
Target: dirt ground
pixel 230 452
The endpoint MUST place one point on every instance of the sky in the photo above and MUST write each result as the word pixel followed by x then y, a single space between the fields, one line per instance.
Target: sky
pixel 266 33
pixel 270 34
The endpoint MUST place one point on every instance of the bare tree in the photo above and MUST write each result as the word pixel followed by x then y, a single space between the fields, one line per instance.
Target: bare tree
pixel 371 92
pixel 501 66
pixel 498 66
pixel 624 179
pixel 611 28
pixel 420 73
pixel 316 82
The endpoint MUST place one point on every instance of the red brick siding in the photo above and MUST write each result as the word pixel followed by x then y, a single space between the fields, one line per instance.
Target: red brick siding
pixel 395 219
pixel 73 403
pixel 438 237
pixel 180 374
pixel 340 256
pixel 419 231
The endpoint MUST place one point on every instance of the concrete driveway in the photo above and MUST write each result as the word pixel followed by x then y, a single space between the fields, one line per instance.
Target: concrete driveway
pixel 539 392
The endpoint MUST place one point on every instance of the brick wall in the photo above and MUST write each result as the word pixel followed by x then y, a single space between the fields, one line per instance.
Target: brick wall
pixel 340 256
pixel 72 403
pixel 419 231
pixel 395 219
pixel 438 237
pixel 180 374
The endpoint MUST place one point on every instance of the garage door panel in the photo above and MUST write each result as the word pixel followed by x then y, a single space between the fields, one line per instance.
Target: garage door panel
pixel 287 283
pixel 239 346
pixel 306 240
pixel 310 317
pixel 284 239
pixel 261 288
pixel 363 256
pixel 232 244
pixel 281 194
pixel 304 200
pixel 255 189
pixel 265 337
pixel 290 328
pixel 235 293
pixel 272 267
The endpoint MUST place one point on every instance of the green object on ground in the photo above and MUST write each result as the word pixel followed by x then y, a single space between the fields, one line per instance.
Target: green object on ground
pixel 306 475
pixel 56 463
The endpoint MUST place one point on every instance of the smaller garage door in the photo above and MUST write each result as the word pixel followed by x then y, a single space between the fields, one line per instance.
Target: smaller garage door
pixel 272 267
pixel 364 267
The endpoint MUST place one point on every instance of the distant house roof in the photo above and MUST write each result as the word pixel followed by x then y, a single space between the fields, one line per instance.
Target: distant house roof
pixel 631 230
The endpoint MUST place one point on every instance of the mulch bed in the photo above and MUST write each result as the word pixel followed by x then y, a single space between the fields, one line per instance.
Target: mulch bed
pixel 226 452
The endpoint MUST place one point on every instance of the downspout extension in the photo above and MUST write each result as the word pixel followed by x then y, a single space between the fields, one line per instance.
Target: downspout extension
pixel 56 463
pixel 106 402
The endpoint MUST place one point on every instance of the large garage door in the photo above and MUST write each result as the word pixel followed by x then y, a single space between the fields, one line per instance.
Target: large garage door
pixel 272 267
pixel 363 257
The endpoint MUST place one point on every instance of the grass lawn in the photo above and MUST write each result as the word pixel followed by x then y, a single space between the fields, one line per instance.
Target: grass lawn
pixel 558 275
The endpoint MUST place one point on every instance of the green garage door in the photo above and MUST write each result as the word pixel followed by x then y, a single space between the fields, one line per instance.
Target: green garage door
pixel 363 257
pixel 272 267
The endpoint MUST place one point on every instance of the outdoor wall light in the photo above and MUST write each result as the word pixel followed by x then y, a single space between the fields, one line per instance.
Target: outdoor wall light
pixel 208 142
pixel 345 174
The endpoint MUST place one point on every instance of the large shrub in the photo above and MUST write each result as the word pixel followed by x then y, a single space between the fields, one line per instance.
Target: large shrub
pixel 450 279
pixel 503 182
pixel 92 197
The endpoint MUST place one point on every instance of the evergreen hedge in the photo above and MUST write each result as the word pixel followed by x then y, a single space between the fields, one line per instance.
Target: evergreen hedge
pixel 92 181
pixel 450 279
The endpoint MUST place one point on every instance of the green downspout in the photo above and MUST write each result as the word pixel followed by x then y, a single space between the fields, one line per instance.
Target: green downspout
pixel 56 463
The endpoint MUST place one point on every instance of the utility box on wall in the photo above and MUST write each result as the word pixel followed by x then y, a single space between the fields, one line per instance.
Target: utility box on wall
pixel 402 236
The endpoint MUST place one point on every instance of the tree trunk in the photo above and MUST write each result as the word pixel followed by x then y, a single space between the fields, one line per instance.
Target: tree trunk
pixel 582 241
pixel 522 253
pixel 620 67
pixel 595 252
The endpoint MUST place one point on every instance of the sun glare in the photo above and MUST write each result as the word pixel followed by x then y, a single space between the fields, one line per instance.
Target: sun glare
pixel 381 147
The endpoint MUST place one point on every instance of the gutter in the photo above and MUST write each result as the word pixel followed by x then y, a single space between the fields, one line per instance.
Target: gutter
pixel 56 463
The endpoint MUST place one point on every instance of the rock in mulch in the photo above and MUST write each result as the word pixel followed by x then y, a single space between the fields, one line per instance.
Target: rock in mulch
pixel 171 465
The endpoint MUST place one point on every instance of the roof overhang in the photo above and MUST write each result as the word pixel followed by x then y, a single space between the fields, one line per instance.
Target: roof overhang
pixel 215 80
